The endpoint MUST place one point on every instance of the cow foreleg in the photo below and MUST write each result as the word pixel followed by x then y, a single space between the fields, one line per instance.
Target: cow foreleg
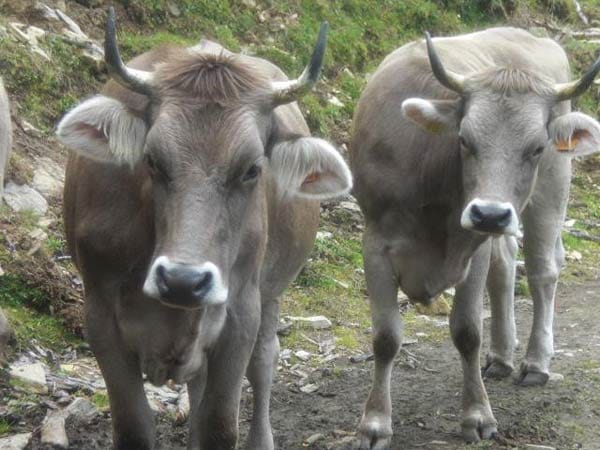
pixel 214 419
pixel 465 326
pixel 132 420
pixel 260 373
pixel 501 288
pixel 544 256
pixel 375 429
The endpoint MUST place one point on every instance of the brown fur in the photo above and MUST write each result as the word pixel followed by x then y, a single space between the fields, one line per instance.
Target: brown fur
pixel 210 78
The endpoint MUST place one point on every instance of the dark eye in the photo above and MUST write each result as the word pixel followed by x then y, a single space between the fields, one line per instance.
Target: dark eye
pixel 154 168
pixel 463 142
pixel 252 173
pixel 538 151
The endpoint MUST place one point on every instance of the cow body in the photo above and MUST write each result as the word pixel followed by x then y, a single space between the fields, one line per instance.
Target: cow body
pixel 5 148
pixel 425 192
pixel 139 232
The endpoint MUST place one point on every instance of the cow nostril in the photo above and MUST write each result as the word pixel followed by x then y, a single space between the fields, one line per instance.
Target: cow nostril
pixel 504 218
pixel 203 282
pixel 161 280
pixel 476 215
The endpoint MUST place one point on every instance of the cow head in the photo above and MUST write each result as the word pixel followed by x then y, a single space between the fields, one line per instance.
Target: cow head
pixel 503 122
pixel 212 146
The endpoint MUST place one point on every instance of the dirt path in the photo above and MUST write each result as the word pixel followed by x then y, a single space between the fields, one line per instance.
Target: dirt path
pixel 564 414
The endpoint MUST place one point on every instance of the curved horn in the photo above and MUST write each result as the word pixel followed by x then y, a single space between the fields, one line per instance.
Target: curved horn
pixel 137 80
pixel 451 80
pixel 289 91
pixel 567 91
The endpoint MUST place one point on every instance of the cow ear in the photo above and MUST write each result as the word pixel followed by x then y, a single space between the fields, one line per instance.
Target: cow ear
pixel 434 116
pixel 103 129
pixel 575 134
pixel 309 167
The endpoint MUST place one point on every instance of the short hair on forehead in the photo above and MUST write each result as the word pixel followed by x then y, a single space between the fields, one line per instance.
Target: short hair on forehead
pixel 509 81
pixel 224 79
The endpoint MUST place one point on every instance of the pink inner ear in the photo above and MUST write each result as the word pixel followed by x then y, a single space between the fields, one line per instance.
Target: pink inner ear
pixel 311 178
pixel 90 131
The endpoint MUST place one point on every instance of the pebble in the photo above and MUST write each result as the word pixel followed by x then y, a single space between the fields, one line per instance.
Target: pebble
pixel 81 408
pixel 31 375
pixel 302 355
pixel 556 377
pixel 309 388
pixel 538 447
pixel 314 438
pixel 15 442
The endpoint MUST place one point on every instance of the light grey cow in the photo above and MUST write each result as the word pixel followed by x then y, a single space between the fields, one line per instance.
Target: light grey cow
pixel 5 148
pixel 451 154
pixel 191 202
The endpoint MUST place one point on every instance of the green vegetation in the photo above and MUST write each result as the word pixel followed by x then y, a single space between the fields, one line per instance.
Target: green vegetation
pixel 100 399
pixel 5 427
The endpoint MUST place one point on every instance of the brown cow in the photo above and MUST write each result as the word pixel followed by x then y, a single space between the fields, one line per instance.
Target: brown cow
pixel 453 149
pixel 191 202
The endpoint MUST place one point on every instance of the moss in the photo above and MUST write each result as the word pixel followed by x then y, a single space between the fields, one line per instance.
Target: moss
pixel 5 427
pixel 100 399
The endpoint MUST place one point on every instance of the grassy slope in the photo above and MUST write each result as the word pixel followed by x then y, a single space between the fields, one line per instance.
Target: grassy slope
pixel 362 33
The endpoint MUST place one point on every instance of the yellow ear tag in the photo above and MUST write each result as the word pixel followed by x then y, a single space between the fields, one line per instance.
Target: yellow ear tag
pixel 565 145
pixel 569 145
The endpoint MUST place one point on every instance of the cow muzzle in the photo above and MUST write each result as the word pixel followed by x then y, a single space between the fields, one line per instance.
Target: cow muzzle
pixel 185 286
pixel 490 217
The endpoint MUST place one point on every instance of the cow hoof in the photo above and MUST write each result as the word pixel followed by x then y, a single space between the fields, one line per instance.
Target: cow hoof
pixel 530 376
pixel 478 425
pixel 375 434
pixel 496 369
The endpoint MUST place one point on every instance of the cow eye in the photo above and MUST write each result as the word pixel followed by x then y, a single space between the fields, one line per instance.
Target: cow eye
pixel 252 173
pixel 154 168
pixel 538 151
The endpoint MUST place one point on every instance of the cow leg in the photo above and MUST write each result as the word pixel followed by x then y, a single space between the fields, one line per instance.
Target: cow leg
pixel 544 257
pixel 465 326
pixel 214 419
pixel 260 373
pixel 375 429
pixel 501 288
pixel 132 419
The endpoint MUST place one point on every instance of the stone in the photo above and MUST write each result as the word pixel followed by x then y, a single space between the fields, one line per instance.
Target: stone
pixel 24 198
pixel 314 438
pixel 302 355
pixel 81 408
pixel 556 377
pixel 37 234
pixel 350 206
pixel 573 255
pixel 47 12
pixel 53 431
pixel 324 235
pixel 309 388
pixel 182 410
pixel 439 307
pixel 15 442
pixel 538 447
pixel 333 100
pixel 314 322
pixel 173 9
pixel 48 177
pixel 32 376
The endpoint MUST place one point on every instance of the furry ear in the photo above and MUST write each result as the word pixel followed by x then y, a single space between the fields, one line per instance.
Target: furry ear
pixel 434 116
pixel 575 134
pixel 103 129
pixel 309 167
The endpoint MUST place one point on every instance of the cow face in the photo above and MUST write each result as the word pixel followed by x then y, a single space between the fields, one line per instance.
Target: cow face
pixel 210 144
pixel 503 123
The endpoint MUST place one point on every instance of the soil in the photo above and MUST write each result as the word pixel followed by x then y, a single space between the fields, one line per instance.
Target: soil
pixel 426 395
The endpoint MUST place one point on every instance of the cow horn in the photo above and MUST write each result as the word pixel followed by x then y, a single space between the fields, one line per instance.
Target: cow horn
pixel 451 80
pixel 137 80
pixel 291 90
pixel 572 89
